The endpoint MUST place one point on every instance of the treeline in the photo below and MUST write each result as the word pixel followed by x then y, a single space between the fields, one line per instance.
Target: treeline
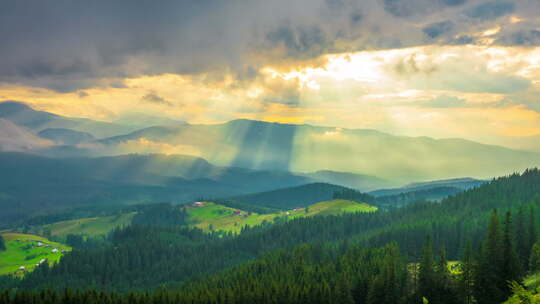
pixel 354 195
pixel 245 206
pixel 160 215
pixel 437 193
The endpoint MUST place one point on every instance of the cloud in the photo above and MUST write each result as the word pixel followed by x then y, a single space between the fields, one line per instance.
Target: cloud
pixel 435 30
pixel 446 102
pixel 491 10
pixel 74 45
pixel 523 37
pixel 153 97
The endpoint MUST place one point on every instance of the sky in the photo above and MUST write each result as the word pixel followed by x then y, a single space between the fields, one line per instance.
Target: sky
pixel 439 68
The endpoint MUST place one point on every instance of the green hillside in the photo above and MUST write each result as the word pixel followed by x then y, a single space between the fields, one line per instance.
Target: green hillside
pixel 212 216
pixel 24 250
pixel 93 226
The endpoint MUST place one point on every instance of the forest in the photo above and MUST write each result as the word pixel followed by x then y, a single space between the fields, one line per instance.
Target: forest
pixel 351 258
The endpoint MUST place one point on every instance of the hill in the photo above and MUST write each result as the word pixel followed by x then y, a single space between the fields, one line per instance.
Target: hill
pixel 351 180
pixel 429 194
pixel 62 136
pixel 216 217
pixel 291 197
pixel 26 250
pixel 93 226
pixel 16 138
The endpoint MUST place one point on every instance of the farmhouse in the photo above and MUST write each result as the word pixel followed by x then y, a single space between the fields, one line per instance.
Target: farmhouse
pixel 54 250
pixel 198 204
pixel 22 268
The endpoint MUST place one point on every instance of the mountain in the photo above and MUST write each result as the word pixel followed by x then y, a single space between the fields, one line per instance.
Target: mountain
pixel 62 136
pixel 306 148
pixel 16 138
pixel 356 181
pixel 291 197
pixel 23 115
pixel 140 120
pixel 32 185
pixel 458 184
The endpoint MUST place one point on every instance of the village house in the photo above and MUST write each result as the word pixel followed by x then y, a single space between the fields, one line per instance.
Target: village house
pixel 198 204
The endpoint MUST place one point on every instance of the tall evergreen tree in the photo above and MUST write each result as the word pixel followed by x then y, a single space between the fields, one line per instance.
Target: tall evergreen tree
pixel 532 232
pixel 534 260
pixel 511 266
pixel 2 243
pixel 489 285
pixel 466 277
pixel 522 239
pixel 427 275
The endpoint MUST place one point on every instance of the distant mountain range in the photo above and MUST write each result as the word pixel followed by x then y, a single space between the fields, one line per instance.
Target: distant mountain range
pixel 373 159
pixel 23 115
pixel 32 185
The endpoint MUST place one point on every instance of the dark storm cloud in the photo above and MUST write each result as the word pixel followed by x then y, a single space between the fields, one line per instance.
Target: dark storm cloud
pixel 435 30
pixel 491 10
pixel 72 45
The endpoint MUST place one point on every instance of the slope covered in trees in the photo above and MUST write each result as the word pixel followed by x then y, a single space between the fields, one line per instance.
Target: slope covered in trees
pixel 146 258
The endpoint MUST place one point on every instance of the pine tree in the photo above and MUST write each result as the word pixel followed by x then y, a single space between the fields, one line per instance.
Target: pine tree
pixel 443 274
pixel 466 278
pixel 511 266
pixel 427 275
pixel 532 233
pixel 2 244
pixel 522 239
pixel 534 260
pixel 489 285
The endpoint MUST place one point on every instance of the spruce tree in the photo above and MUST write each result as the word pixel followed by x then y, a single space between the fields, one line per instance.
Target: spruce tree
pixel 2 244
pixel 511 266
pixel 532 233
pixel 534 260
pixel 427 275
pixel 466 278
pixel 489 284
pixel 522 239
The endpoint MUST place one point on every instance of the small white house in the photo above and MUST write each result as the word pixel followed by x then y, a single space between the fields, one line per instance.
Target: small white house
pixel 198 204
pixel 22 268
pixel 54 250
pixel 39 244
pixel 287 213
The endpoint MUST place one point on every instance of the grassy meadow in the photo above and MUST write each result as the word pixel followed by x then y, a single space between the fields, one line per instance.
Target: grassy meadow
pixel 93 226
pixel 23 250
pixel 216 217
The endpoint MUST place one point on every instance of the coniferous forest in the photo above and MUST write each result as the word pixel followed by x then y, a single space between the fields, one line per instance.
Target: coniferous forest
pixel 472 247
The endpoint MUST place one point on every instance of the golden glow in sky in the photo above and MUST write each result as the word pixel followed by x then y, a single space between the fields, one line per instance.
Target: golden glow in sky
pixel 475 92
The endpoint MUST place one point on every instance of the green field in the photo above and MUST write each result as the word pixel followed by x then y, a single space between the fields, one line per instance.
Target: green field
pixel 93 226
pixel 23 250
pixel 218 217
